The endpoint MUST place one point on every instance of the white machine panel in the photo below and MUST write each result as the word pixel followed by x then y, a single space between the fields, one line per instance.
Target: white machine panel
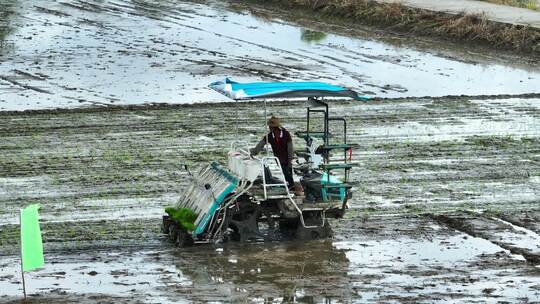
pixel 243 166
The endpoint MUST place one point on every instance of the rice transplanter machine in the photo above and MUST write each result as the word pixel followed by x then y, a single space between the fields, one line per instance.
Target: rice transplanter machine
pixel 247 199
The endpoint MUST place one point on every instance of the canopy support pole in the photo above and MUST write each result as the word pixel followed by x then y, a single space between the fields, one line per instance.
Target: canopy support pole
pixel 265 122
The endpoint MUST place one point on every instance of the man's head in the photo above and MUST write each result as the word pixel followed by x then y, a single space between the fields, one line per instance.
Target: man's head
pixel 273 122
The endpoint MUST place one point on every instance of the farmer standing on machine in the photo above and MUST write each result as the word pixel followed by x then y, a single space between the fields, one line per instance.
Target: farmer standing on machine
pixel 282 147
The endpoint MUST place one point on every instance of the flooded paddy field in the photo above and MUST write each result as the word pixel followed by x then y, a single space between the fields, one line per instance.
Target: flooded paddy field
pixel 446 193
pixel 445 205
pixel 58 54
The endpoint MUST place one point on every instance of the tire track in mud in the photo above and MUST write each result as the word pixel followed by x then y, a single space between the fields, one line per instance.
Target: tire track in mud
pixel 88 6
pixel 166 9
pixel 25 86
pixel 168 52
pixel 496 231
pixel 527 220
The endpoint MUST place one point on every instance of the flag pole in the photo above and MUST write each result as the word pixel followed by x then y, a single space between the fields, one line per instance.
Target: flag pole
pixel 22 267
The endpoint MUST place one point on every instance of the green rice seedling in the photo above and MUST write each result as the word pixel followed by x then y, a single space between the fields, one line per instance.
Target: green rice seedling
pixel 184 217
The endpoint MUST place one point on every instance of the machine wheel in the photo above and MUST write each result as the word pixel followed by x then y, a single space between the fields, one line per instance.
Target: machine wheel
pixel 173 232
pixel 244 222
pixel 306 234
pixel 184 239
pixel 288 227
pixel 165 224
pixel 177 235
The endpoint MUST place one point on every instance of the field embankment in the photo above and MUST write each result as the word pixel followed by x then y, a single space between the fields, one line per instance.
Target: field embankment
pixel 471 28
pixel 529 4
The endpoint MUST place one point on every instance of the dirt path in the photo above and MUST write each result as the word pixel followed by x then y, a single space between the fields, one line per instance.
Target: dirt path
pixel 494 12
pixel 103 177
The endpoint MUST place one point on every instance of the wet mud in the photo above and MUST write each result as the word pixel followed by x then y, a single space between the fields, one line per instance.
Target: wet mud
pixel 445 205
pixel 58 54
pixel 406 259
pixel 446 192
pixel 517 240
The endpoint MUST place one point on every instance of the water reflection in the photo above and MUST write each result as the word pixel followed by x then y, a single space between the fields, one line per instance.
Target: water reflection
pixel 310 272
pixel 312 36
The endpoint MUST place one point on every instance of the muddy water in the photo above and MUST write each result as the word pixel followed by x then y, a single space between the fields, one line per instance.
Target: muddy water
pixel 103 177
pixel 70 54
pixel 387 260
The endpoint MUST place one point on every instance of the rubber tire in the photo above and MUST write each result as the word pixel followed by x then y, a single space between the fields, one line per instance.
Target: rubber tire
pixel 183 239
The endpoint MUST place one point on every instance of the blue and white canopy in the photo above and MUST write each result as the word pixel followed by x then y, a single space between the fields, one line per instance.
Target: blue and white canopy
pixel 262 90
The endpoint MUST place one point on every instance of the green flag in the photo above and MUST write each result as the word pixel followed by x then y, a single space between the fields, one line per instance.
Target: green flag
pixel 31 245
